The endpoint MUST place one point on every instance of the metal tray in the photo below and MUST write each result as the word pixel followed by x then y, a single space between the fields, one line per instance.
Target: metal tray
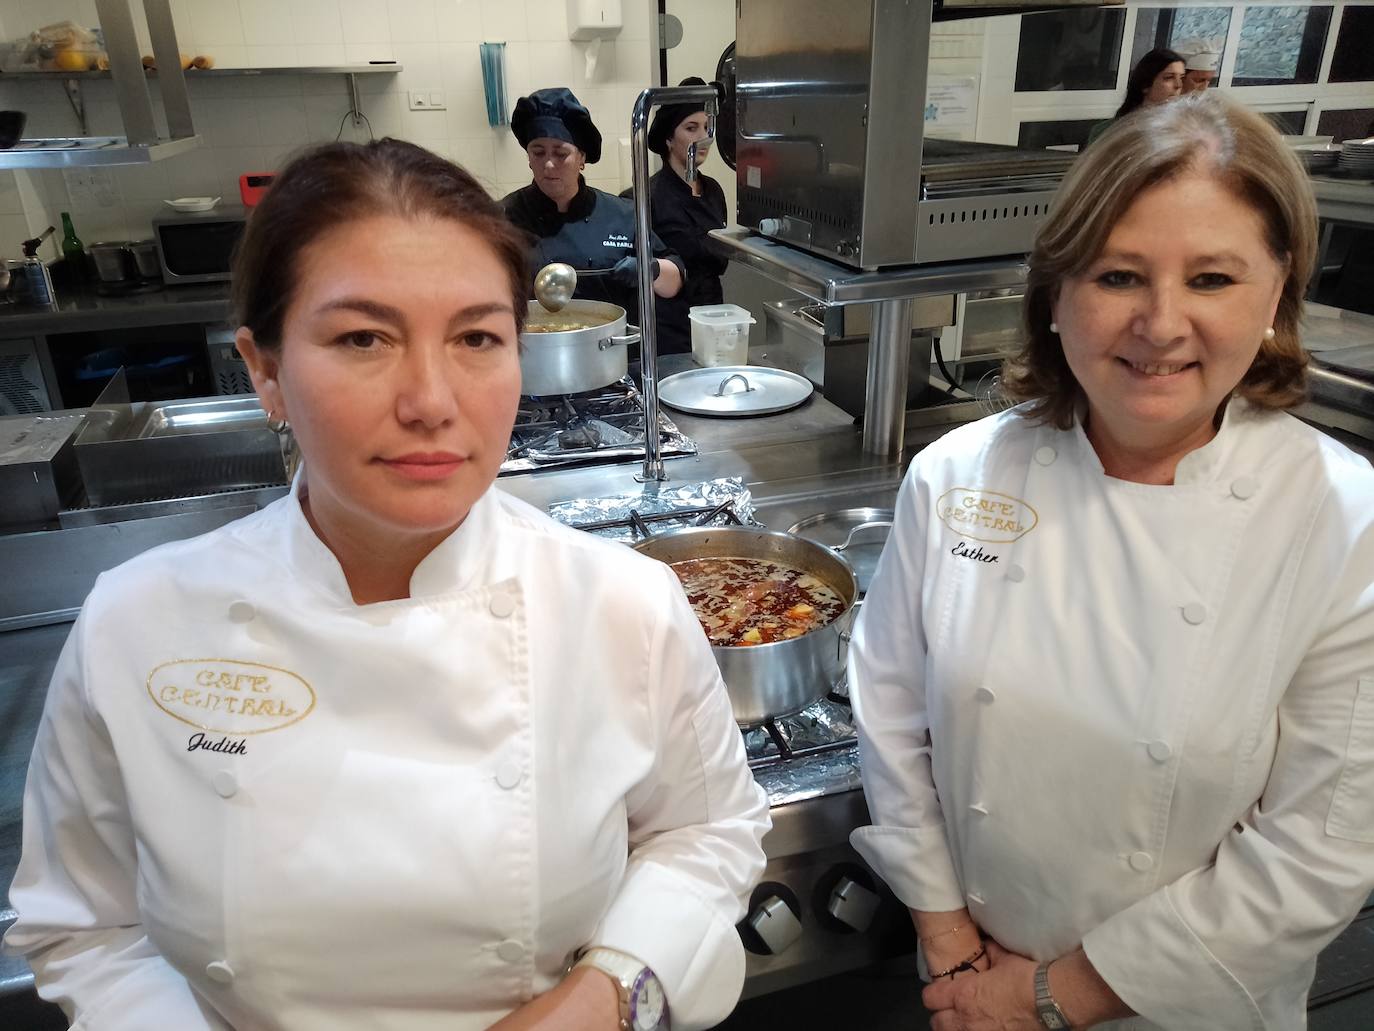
pixel 213 415
pixel 172 449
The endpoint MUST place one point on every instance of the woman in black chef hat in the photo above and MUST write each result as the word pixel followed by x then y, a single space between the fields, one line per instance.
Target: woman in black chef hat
pixel 573 222
pixel 683 213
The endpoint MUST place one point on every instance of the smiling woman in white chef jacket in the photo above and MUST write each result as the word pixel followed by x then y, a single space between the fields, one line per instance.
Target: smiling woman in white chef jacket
pixel 392 752
pixel 1114 679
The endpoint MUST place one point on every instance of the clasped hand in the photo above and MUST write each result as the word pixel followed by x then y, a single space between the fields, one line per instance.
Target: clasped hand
pixel 1000 998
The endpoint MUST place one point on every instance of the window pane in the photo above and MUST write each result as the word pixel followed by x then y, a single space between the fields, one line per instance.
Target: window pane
pixel 1280 45
pixel 1170 27
pixel 1070 50
pixel 1039 135
pixel 1290 123
pixel 1354 57
pixel 1354 124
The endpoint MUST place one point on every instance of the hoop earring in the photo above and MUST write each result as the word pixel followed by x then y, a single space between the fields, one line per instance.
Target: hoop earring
pixel 278 426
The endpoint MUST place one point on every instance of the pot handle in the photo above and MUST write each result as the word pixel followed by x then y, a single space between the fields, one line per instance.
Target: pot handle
pixel 634 336
pixel 884 524
pixel 847 635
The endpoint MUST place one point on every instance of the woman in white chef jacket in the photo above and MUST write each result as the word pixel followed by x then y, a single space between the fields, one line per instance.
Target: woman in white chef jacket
pixel 1114 679
pixel 393 751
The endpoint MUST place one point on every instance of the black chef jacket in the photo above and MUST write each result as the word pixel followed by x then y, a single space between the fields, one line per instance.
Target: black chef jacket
pixel 683 221
pixel 595 232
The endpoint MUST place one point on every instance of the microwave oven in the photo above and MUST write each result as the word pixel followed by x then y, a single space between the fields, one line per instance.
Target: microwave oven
pixel 198 247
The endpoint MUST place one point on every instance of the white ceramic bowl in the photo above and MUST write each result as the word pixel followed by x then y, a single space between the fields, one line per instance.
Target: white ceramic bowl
pixel 190 204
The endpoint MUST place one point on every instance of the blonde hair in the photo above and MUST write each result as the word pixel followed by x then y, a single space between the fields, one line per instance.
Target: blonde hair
pixel 1203 132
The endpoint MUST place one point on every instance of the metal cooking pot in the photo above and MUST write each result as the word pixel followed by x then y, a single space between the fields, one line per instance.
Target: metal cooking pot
pixel 783 677
pixel 591 353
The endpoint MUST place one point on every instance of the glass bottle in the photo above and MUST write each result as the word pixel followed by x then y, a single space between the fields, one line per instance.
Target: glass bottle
pixel 73 251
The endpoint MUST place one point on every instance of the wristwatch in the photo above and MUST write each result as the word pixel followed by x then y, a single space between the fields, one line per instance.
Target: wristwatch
pixel 1051 1016
pixel 643 1006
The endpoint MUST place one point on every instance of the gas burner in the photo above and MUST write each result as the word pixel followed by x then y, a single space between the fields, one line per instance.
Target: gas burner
pixel 824 726
pixel 596 426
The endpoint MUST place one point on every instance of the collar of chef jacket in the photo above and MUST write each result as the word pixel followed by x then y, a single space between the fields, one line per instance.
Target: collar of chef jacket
pixel 458 562
pixel 545 212
pixel 1197 466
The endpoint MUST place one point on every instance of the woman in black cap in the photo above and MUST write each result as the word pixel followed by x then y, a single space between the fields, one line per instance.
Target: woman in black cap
pixel 683 213
pixel 573 222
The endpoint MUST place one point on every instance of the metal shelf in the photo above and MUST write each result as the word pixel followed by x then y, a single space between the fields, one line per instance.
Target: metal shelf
pixel 216 73
pixel 81 151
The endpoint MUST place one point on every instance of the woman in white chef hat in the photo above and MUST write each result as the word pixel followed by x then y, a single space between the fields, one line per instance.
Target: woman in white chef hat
pixel 1202 63
pixel 1114 678
pixel 397 751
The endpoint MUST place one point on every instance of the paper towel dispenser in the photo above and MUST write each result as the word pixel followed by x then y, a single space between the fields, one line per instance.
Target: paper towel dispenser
pixel 594 19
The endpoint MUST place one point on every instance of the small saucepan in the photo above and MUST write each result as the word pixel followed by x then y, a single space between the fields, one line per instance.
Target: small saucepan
pixel 584 346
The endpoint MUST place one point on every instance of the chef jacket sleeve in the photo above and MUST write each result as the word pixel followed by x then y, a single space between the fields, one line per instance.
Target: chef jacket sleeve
pixel 1203 950
pixel 907 843
pixel 74 889
pixel 696 826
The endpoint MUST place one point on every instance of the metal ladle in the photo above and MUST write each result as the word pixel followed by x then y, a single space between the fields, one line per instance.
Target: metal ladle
pixel 554 285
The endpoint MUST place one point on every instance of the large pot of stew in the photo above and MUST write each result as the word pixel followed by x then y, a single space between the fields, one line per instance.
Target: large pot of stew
pixel 773 606
pixel 583 346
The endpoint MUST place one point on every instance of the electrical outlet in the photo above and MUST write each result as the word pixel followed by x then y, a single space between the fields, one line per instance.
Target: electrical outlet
pixel 427 100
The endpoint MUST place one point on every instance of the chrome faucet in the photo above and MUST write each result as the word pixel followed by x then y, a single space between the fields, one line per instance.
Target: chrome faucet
pixel 639 153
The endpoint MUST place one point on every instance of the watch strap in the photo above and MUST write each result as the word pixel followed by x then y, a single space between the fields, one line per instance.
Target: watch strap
pixel 621 968
pixel 1051 1016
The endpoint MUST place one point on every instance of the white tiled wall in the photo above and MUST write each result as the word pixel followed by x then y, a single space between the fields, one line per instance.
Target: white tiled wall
pixel 252 124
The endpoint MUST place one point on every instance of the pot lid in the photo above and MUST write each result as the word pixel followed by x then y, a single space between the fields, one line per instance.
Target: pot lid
pixel 734 390
pixel 856 533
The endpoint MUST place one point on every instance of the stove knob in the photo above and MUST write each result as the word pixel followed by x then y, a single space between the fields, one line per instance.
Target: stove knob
pixel 776 924
pixel 770 226
pixel 853 904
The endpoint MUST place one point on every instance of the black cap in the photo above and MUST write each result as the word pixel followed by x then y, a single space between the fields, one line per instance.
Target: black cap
pixel 668 117
pixel 556 114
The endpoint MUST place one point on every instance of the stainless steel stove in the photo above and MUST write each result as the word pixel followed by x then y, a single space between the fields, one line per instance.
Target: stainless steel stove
pixel 818 910
pixel 599 426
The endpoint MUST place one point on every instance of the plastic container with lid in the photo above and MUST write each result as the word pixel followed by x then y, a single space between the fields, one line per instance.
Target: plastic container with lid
pixel 720 334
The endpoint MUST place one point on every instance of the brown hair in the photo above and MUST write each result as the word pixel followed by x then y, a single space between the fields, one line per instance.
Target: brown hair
pixel 325 186
pixel 1150 146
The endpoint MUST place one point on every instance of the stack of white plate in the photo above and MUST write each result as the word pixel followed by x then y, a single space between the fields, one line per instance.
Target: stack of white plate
pixel 1357 157
pixel 1318 157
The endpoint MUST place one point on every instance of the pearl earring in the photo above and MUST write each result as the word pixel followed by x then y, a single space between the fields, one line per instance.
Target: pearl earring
pixel 1054 327
pixel 1269 333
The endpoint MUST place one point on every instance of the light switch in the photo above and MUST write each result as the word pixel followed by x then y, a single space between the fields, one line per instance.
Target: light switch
pixel 436 99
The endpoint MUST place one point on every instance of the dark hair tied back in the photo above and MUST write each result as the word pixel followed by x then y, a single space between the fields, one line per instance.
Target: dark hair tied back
pixel 332 184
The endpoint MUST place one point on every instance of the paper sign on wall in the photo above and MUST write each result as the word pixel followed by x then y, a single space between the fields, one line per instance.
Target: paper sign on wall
pixel 951 101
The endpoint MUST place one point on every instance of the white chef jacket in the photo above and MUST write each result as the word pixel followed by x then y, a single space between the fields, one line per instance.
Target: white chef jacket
pixel 1135 717
pixel 400 815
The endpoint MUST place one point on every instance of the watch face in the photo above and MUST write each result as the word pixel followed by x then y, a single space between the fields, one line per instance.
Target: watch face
pixel 648 1007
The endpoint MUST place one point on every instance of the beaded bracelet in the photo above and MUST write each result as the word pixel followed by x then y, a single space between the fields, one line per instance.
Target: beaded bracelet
pixel 948 930
pixel 961 967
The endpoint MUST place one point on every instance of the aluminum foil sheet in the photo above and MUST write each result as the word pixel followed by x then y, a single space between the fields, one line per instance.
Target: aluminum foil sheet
pixel 822 725
pixel 812 776
pixel 654 500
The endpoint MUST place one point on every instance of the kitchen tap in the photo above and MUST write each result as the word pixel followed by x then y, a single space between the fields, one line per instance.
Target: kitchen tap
pixel 639 153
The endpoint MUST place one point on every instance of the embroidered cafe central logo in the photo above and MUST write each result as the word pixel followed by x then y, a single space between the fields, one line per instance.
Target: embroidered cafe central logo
pixel 985 515
pixel 225 696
